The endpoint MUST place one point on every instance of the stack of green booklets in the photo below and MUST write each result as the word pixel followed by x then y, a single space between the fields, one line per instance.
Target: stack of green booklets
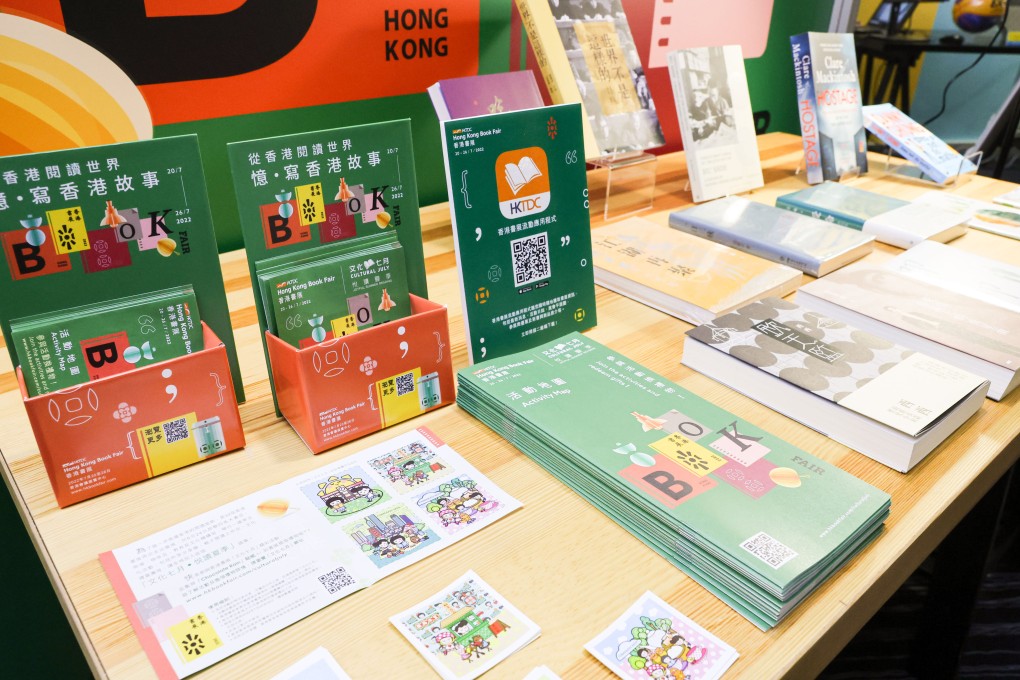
pixel 71 346
pixel 755 520
pixel 334 290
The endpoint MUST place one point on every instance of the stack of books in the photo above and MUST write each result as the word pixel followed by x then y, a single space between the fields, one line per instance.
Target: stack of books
pixel 752 518
pixel 888 402
pixel 956 306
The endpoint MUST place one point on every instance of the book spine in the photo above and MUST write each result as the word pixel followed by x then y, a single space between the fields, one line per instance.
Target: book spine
pixel 540 24
pixel 807 107
pixel 813 211
pixel 752 247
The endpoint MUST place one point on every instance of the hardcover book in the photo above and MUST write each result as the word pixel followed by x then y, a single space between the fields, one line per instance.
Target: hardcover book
pixel 518 197
pixel 714 108
pixel 829 105
pixel 103 222
pixel 916 143
pixel 300 191
pixel 956 306
pixel 68 347
pixel 587 55
pixel 479 95
pixel 757 521
pixel 839 203
pixel 813 246
pixel 888 402
pixel 916 223
pixel 680 274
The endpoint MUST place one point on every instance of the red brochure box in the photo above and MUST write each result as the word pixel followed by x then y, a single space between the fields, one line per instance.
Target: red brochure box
pixel 348 387
pixel 125 428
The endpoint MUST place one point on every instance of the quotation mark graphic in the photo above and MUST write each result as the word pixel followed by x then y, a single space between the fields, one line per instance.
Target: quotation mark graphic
pixel 564 240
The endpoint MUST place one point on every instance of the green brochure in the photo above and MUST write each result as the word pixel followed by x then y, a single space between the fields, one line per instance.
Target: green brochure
pixel 519 198
pixel 304 190
pixel 105 222
pixel 341 292
pixel 72 346
pixel 754 519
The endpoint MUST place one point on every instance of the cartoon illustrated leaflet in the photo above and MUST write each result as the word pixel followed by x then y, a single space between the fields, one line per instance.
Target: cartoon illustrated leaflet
pixel 466 628
pixel 653 640
pixel 519 198
pixel 208 587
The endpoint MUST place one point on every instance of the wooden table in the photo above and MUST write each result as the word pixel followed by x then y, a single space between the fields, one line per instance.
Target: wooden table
pixel 558 559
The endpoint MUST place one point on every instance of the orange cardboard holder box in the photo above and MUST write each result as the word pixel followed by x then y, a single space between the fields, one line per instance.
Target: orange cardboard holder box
pixel 111 432
pixel 348 387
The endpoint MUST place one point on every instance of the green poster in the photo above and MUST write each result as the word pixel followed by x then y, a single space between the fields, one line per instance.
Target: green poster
pixel 97 223
pixel 519 198
pixel 315 188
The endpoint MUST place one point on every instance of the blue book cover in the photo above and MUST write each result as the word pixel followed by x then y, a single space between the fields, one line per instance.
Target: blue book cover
pixel 829 105
pixel 839 204
pixel 813 246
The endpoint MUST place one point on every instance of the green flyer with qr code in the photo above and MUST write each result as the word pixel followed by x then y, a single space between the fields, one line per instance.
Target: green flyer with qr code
pixel 519 202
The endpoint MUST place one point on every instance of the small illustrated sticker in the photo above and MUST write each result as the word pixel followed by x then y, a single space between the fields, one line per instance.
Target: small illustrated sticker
pixel 194 637
pixel 411 465
pixel 457 503
pixel 344 493
pixel 390 533
pixel 653 640
pixel 466 628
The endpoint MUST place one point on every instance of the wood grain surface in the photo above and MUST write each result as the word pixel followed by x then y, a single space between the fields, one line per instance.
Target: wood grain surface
pixel 559 560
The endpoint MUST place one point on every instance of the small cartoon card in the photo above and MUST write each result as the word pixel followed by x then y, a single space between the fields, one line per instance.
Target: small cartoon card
pixel 653 640
pixel 465 629
pixel 541 673
pixel 319 665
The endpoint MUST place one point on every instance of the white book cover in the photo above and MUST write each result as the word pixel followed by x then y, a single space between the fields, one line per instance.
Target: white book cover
pixel 996 219
pixel 714 109
pixel 926 219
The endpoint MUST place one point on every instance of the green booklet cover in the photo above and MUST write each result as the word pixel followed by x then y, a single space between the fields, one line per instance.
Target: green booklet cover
pixel 312 188
pixel 339 293
pixel 519 197
pixel 72 346
pixel 773 512
pixel 105 222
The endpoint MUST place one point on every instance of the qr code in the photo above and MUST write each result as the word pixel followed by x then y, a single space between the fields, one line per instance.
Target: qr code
pixel 768 550
pixel 530 256
pixel 336 580
pixel 405 384
pixel 176 430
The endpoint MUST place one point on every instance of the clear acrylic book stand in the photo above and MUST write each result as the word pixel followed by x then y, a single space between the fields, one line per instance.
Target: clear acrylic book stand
pixel 621 183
